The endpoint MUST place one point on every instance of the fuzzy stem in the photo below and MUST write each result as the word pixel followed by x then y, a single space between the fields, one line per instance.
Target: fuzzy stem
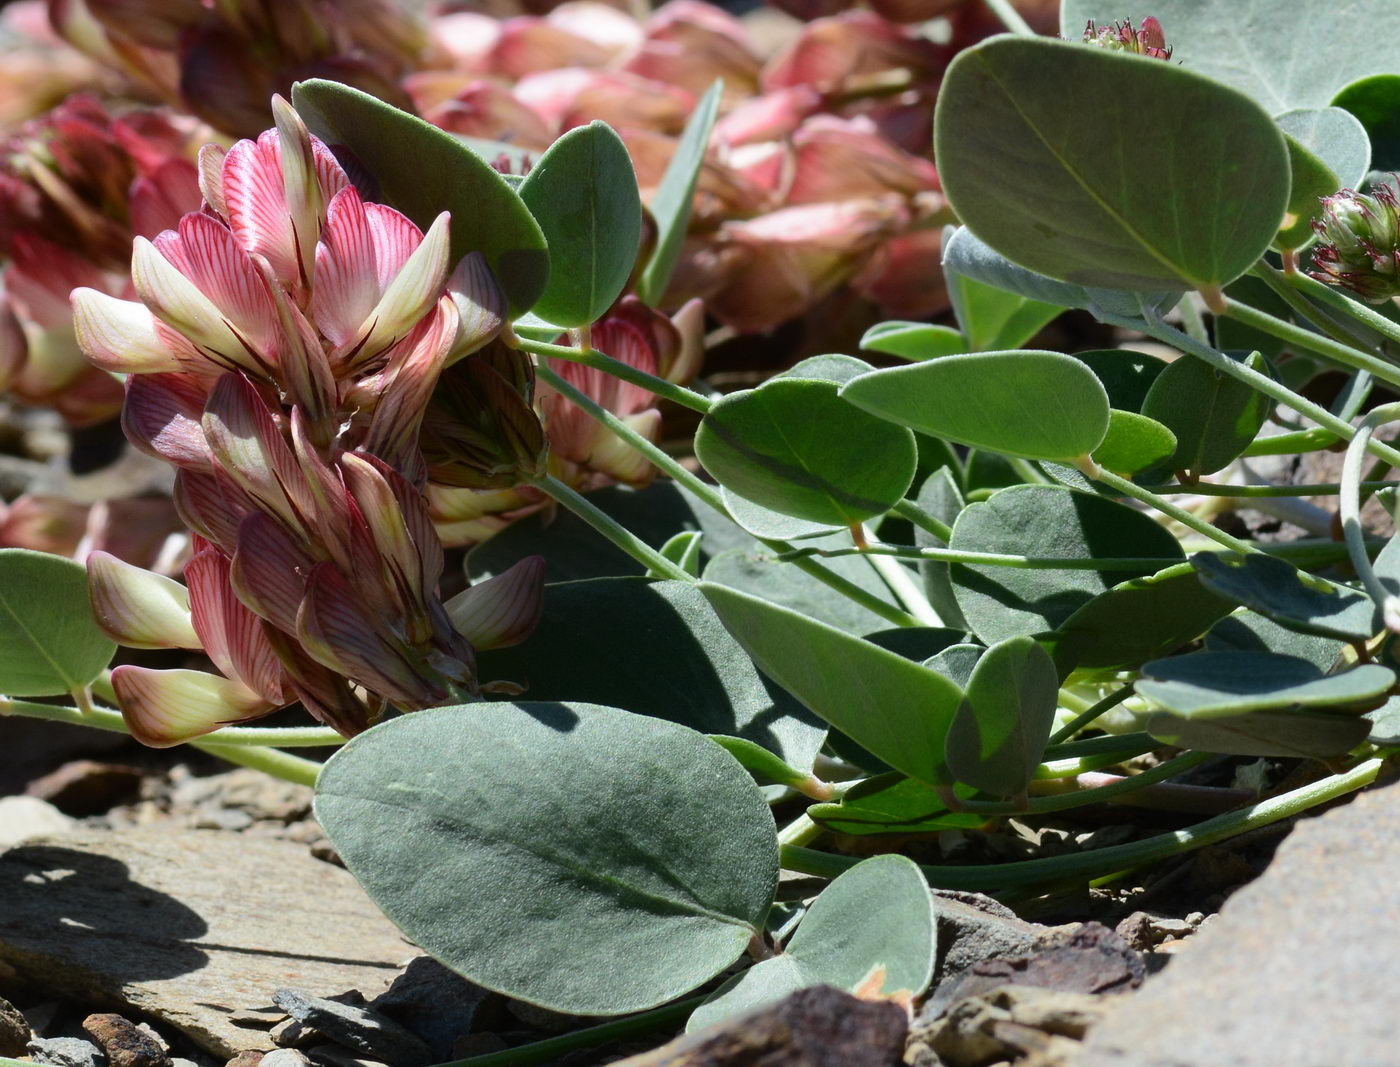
pixel 1084 718
pixel 1009 17
pixel 678 394
pixel 1082 797
pixel 907 509
pixel 1205 529
pixel 268 760
pixel 1102 861
pixel 1317 344
pixel 1257 491
pixel 1349 511
pixel 1335 299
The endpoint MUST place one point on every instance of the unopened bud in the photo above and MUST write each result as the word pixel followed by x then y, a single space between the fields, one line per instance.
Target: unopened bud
pixel 1359 249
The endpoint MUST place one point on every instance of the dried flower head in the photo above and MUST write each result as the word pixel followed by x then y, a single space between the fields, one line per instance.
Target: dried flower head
pixel 1149 40
pixel 1359 242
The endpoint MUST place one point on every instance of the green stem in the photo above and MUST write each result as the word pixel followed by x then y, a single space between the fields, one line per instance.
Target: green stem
pixel 1009 17
pixel 1349 510
pixel 1289 444
pixel 1169 509
pixel 1084 718
pixel 591 357
pixel 610 528
pixel 1260 382
pixel 1252 491
pixel 905 586
pixel 907 509
pixel 550 1049
pixel 1192 320
pixel 711 497
pixel 1275 280
pixel 801 831
pixel 268 760
pixel 1337 300
pixel 1083 797
pixel 989 559
pixel 1307 341
pixel 1099 862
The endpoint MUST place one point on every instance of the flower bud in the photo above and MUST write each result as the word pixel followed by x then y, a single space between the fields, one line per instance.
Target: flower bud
pixel 1123 37
pixel 1359 245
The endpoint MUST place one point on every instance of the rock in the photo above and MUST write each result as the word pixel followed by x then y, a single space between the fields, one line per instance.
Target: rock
pixel 1144 931
pixel 1089 958
pixel 816 1027
pixel 973 928
pixel 284 1057
pixel 434 1002
pixel 1299 968
pixel 124 1043
pixel 66 1052
pixel 192 926
pixel 14 1030
pixel 246 1058
pixel 24 817
pixel 339 1056
pixel 1008 1023
pixel 33 746
pixel 87 787
pixel 357 1028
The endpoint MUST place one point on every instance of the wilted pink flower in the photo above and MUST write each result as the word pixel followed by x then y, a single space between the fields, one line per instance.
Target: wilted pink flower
pixel 830 52
pixel 281 355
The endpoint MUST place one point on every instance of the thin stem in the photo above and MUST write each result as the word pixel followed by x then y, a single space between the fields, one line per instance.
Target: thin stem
pixel 1009 17
pixel 237 736
pixel 1254 491
pixel 610 528
pixel 1082 797
pixel 907 509
pixel 1260 382
pixel 1102 861
pixel 551 1048
pixel 989 559
pixel 268 760
pixel 678 394
pixel 905 587
pixel 1349 510
pixel 801 831
pixel 1317 344
pixel 1084 718
pixel 1337 300
pixel 1169 509
pixel 1274 279
pixel 711 497
pixel 1192 320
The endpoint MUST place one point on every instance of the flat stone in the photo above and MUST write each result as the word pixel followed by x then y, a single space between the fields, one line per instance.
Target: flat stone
pixel 284 1057
pixel 1088 958
pixel 1299 968
pixel 188 927
pixel 434 1002
pixel 14 1030
pixel 22 818
pixel 816 1027
pixel 66 1052
pixel 87 787
pixel 125 1044
pixel 1008 1023
pixel 973 928
pixel 356 1028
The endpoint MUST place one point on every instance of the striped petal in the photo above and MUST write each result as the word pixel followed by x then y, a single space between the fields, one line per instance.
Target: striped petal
pixel 407 384
pixel 165 708
pixel 503 610
pixel 412 293
pixel 232 635
pixel 211 505
pixel 347 284
pixel 300 186
pixel 139 608
pixel 247 443
pixel 269 570
pixel 119 335
pixel 256 203
pixel 162 416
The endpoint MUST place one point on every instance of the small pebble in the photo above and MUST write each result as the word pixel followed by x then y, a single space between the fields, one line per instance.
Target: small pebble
pixel 249 1057
pixel 66 1052
pixel 14 1030
pixel 356 1028
pixel 125 1044
pixel 285 1057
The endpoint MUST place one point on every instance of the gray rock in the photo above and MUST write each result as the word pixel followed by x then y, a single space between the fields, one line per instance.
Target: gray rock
pixel 1008 1023
pixel 339 1056
pixel 973 928
pixel 14 1030
pixel 125 1044
pixel 356 1028
pixel 434 1002
pixel 66 1052
pixel 22 818
pixel 192 926
pixel 1298 970
pixel 284 1057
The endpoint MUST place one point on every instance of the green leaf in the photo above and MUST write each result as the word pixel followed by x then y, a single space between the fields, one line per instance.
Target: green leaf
pixel 1264 733
pixel 1049 522
pixel 1042 152
pixel 422 171
pixel 683 549
pixel 898 710
pixel 1248 631
pixel 1138 620
pixel 583 193
pixel 758 572
pixel 1213 685
pixel 1133 443
pixel 998 737
pixel 1126 375
pixel 1214 416
pixel 1040 405
pixel 795 446
pixel 1310 180
pixel 891 804
pixel 765 766
pixel 956 663
pixel 774 525
pixel 1375 103
pixel 1335 136
pixel 1304 52
pixel 875 924
pixel 939 497
pixel 606 862
pixel 1288 596
pixel 671 204
pixel 654 648
pixel 966 257
pixel 829 367
pixel 49 642
pixel 992 317
pixel 917 341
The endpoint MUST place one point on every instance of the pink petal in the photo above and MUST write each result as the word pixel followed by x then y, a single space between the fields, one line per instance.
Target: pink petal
pixel 119 335
pixel 503 610
pixel 211 505
pixel 327 695
pixel 164 708
pixel 481 305
pixel 269 570
pixel 139 608
pixel 609 454
pixel 211 178
pixel 347 285
pixel 231 634
pixel 41 277
pixel 407 384
pixel 247 443
pixel 158 200
pixel 162 416
pixel 411 294
pixel 256 204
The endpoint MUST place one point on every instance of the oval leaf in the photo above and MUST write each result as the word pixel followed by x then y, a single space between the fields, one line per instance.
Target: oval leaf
pixel 49 641
pixel 1264 733
pixel 1214 416
pixel 1071 185
pixel 998 738
pixel 1133 443
pixel 1212 685
pixel 917 341
pixel 1040 405
pixel 557 826
pixel 1375 103
pixel 421 170
pixel 794 445
pixel 872 931
pixel 1288 596
pixel 891 804
pixel 583 193
pixel 1336 136
pixel 898 710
